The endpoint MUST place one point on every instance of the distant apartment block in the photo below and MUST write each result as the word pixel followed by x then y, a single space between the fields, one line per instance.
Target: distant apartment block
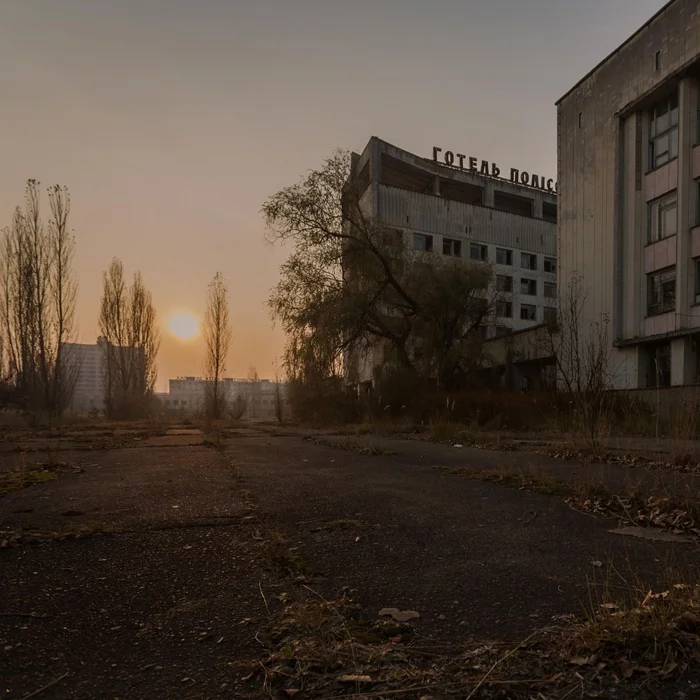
pixel 457 206
pixel 629 198
pixel 89 363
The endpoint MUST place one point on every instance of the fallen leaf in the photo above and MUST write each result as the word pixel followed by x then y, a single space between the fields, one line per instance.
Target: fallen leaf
pixel 609 606
pixel 597 564
pixel 354 678
pixel 357 539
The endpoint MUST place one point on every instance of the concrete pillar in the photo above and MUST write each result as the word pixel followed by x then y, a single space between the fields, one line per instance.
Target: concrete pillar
pixel 682 362
pixel 436 185
pixel 488 195
pixel 687 103
pixel 537 208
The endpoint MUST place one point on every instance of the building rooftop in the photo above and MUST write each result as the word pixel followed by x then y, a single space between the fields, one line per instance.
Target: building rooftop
pixel 616 51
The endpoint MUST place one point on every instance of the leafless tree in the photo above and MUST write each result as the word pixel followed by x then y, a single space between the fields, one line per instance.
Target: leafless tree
pixel 38 290
pixel 238 407
pixel 131 340
pixel 217 339
pixel 351 283
pixel 583 355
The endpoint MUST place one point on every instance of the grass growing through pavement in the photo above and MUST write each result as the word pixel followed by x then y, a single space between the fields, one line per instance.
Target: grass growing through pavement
pixel 334 649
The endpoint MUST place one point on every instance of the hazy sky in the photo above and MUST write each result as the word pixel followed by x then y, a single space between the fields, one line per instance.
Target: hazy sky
pixel 171 121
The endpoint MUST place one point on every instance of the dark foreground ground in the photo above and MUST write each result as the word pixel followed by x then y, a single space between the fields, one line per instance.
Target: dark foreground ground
pixel 176 555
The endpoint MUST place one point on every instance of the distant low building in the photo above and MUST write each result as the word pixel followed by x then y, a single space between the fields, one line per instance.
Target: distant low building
pixel 186 394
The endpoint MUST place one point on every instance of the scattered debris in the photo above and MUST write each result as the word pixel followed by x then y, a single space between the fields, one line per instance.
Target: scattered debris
pixel 398 615
pixel 652 533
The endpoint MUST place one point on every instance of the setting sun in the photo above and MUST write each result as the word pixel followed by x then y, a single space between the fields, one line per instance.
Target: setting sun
pixel 183 326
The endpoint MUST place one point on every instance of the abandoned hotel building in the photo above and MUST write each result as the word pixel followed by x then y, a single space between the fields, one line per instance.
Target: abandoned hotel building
pixel 455 205
pixel 629 198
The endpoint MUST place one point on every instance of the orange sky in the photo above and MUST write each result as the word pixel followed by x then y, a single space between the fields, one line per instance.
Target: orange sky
pixel 171 121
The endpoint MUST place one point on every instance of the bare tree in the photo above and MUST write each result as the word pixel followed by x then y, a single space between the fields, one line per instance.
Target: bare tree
pixel 131 340
pixel 583 356
pixel 38 301
pixel 217 339
pixel 351 283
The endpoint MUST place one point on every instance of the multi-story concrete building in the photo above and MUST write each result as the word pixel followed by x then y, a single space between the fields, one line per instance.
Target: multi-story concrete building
pixel 459 206
pixel 88 364
pixel 629 198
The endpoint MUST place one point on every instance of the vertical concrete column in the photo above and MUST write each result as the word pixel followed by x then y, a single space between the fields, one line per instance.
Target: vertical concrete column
pixel 436 185
pixel 684 268
pixel 537 207
pixel 488 194
pixel 682 362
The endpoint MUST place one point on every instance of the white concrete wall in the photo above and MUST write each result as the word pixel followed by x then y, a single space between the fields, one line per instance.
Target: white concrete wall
pixel 604 185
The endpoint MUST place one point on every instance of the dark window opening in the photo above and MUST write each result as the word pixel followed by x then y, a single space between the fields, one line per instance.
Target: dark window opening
pixel 550 314
pixel 549 212
pixel 478 252
pixel 504 256
pixel 461 191
pixel 504 309
pixel 662 218
pixel 422 243
pixel 663 133
pixel 550 290
pixel 659 369
pixel 450 246
pixel 696 266
pixel 528 261
pixel 657 60
pixel 580 119
pixel 513 203
pixel 550 265
pixel 397 173
pixel 661 291
pixel 528 312
pixel 528 287
pixel 504 283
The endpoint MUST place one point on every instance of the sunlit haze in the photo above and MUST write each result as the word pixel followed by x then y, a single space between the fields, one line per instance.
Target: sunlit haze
pixel 183 326
pixel 171 122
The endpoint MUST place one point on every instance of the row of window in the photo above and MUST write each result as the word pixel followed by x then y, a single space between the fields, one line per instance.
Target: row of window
pixel 504 256
pixel 528 312
pixel 662 215
pixel 661 289
pixel 504 283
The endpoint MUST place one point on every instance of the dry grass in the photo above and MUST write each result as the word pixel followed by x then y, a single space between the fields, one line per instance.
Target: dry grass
pixel 331 649
pixel 657 507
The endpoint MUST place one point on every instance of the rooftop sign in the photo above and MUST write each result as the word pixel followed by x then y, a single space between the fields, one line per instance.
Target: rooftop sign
pixel 470 164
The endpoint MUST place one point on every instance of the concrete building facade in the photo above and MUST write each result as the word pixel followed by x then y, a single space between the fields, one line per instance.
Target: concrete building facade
pixel 186 394
pixel 629 199
pixel 452 205
pixel 88 362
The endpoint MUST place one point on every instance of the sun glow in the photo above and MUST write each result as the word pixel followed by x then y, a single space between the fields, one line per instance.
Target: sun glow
pixel 183 326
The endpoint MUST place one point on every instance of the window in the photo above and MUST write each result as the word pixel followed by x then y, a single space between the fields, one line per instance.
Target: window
pixel 549 212
pixel 550 314
pixel 661 291
pixel 478 252
pixel 550 290
pixel 528 286
pixel 657 60
pixel 580 119
pixel 659 365
pixel 504 283
pixel 528 261
pixel 663 217
pixel 697 280
pixel 528 312
pixel 513 203
pixel 550 265
pixel 452 247
pixel 504 256
pixel 663 134
pixel 422 243
pixel 697 199
pixel 504 309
